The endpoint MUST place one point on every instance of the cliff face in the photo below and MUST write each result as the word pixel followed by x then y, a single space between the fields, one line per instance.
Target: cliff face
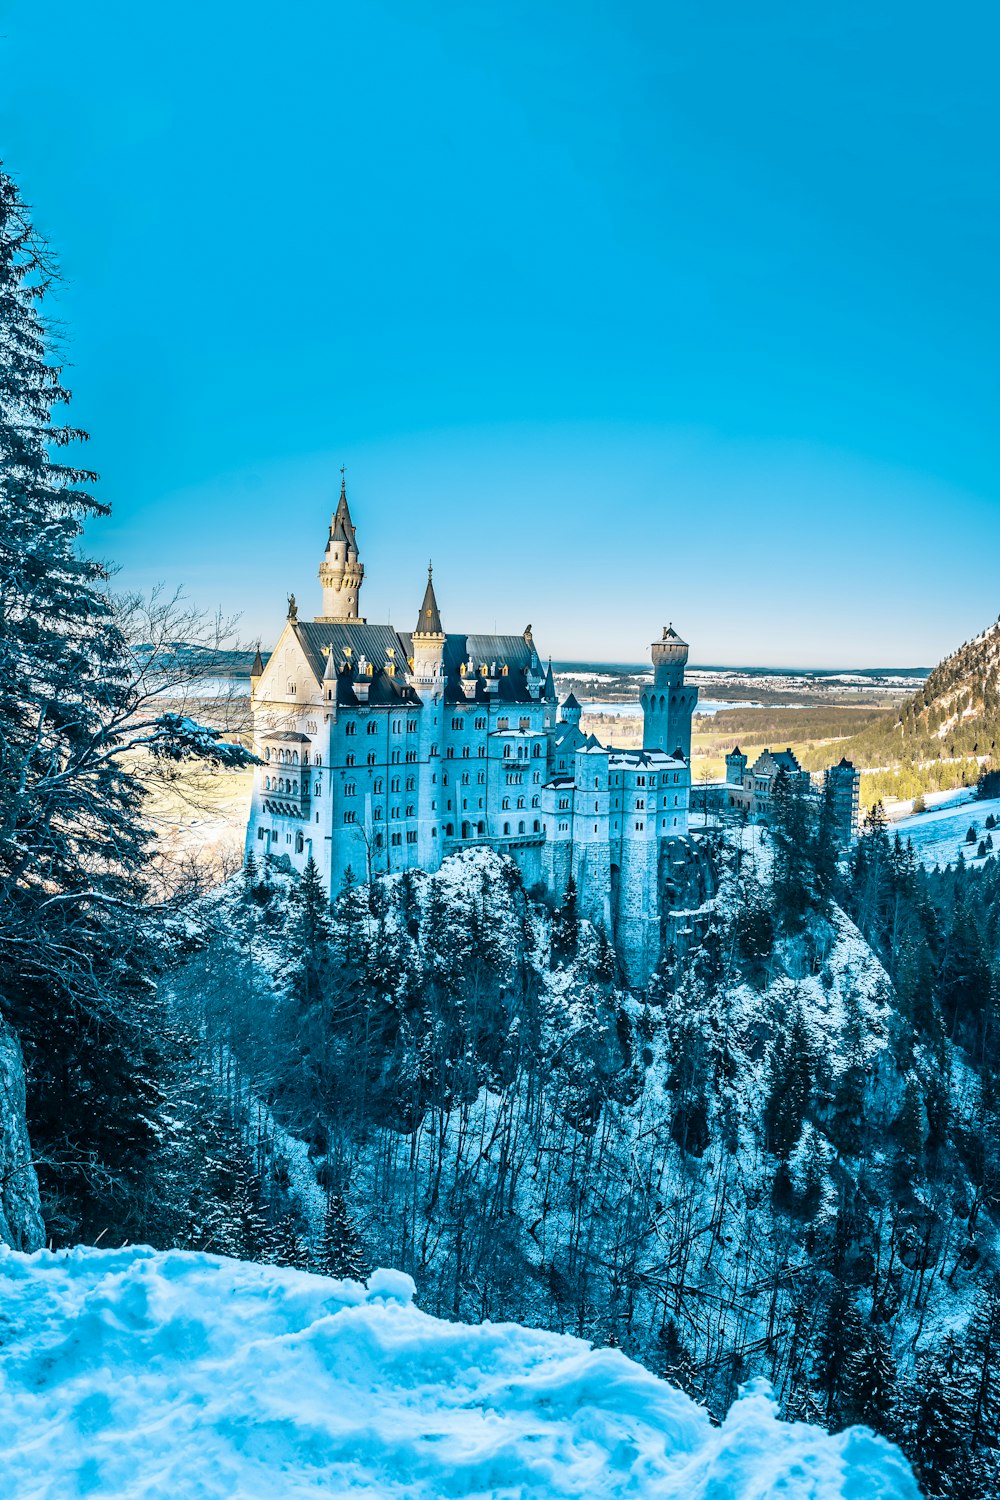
pixel 20 1215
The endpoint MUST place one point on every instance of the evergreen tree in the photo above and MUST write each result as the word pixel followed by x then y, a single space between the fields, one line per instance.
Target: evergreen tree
pixel 76 955
pixel 792 1072
pixel 340 1251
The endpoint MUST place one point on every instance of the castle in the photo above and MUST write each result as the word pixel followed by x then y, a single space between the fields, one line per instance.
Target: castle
pixel 385 750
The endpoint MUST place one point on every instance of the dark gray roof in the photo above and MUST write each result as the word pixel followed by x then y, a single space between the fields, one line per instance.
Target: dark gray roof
pixel 571 702
pixel 429 619
pixel 374 642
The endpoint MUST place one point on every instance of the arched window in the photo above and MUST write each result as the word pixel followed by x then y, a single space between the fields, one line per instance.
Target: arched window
pixel 299 843
pixel 319 789
pixel 536 750
pixel 267 752
pixel 378 783
pixel 506 828
pixel 505 804
pixel 534 801
pixel 480 828
pixel 449 829
pixel 536 827
pixel 267 783
pixel 372 726
pixel 520 826
pixel 520 801
pixel 351 727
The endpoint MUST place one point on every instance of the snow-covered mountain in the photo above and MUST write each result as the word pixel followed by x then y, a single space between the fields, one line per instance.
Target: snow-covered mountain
pixel 136 1375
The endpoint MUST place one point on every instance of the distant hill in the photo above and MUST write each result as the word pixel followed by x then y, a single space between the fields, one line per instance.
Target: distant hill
pixel 945 734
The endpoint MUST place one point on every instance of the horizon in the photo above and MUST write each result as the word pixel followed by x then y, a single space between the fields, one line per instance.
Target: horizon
pixel 617 316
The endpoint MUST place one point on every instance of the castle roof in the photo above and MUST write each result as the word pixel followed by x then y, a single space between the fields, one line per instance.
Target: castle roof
pixel 429 619
pixel 549 688
pixel 258 666
pixel 342 518
pixel 571 702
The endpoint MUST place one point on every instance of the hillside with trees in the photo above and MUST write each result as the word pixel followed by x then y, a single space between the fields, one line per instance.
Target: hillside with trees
pixel 943 736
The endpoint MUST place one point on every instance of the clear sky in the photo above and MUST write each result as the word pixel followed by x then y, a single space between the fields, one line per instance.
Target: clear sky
pixel 623 312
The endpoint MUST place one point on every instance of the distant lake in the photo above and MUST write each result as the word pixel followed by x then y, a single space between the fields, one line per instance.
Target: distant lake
pixel 633 710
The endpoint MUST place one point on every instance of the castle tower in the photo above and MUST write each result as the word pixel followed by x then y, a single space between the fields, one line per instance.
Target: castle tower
pixel 736 766
pixel 341 573
pixel 668 702
pixel 571 711
pixel 428 640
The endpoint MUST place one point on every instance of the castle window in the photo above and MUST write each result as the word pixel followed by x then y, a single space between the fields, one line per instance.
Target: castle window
pixel 466 752
pixel 378 784
pixel 520 801
pixel 480 828
pixel 349 760
pixel 480 723
pixel 639 826
pixel 267 752
pixel 449 754
pixel 410 784
pixel 563 827
pixel 396 839
pixel 465 778
pixel 394 784
pixel 449 829
pixel 503 723
pixel 536 751
pixel 350 789
pixel 371 757
pixel 640 802
pixel 456 723
pixel 563 804
pixel 596 781
pixel 520 826
pixel 411 756
pixel 595 827
pixel 534 801
pixel 291 687
pixel 506 828
pixel 505 804
pixel 260 833
pixel 299 843
pixel 536 778
pixel 536 826
pixel 350 816
pixel 596 807
pixel 351 727
pixel 411 726
pixel 267 783
pixel 318 791
pixel 480 777
pixel 372 727
pixel 444 778
pixel 410 811
pixel 481 752
pixel 319 760
pixel 506 752
pixel 377 814
pixel 394 757
pixel 524 723
pixel 411 837
pixel 434 833
pixel 394 812
pixel 675 801
pixel 378 841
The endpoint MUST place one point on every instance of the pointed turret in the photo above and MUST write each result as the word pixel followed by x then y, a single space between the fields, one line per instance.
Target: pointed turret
pixel 257 670
pixel 429 619
pixel 549 689
pixel 341 573
pixel 427 662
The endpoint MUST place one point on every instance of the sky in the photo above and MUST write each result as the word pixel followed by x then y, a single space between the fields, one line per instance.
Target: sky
pixel 621 312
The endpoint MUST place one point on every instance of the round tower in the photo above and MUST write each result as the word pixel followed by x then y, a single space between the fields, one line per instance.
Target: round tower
pixel 667 702
pixel 341 573
pixel 428 639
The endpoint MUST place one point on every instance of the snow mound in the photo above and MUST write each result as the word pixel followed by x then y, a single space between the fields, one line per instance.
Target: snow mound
pixel 177 1376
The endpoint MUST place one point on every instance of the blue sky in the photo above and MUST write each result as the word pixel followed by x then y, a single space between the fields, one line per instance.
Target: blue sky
pixel 621 312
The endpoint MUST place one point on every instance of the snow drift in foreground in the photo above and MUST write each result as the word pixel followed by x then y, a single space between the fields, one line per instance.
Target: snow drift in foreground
pixel 132 1373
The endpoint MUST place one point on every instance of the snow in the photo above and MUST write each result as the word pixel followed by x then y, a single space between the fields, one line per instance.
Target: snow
pixel 177 1376
pixel 939 834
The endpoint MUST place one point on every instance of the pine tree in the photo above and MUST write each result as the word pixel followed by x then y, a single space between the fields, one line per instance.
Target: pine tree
pixel 340 1251
pixel 76 956
pixel 792 1070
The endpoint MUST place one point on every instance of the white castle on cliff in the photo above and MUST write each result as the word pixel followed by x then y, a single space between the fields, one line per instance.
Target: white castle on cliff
pixel 384 751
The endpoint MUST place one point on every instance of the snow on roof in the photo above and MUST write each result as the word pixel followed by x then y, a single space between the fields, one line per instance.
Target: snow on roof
pixel 131 1373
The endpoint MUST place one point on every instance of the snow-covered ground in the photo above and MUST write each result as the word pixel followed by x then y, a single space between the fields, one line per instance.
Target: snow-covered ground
pixel 176 1376
pixel 939 834
pixel 633 710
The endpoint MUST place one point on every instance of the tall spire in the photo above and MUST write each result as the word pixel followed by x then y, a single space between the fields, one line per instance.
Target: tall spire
pixel 549 688
pixel 429 619
pixel 342 517
pixel 341 572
